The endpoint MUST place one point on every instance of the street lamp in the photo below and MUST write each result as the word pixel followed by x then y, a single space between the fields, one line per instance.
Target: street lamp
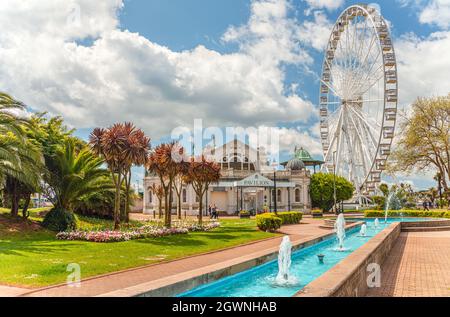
pixel 334 182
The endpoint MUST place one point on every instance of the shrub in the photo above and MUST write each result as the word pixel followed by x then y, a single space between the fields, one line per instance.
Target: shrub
pixel 408 213
pixel 244 213
pixel 290 217
pixel 268 222
pixel 272 222
pixel 60 220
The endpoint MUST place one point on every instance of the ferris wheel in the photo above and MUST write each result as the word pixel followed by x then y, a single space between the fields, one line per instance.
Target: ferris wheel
pixel 358 97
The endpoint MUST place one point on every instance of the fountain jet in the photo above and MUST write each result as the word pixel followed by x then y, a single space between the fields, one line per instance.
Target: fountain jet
pixel 339 228
pixel 363 231
pixel 284 264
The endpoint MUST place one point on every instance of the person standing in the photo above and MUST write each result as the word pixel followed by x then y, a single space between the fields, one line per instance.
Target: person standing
pixel 216 216
pixel 210 211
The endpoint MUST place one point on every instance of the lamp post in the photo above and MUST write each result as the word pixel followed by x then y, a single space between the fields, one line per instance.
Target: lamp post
pixel 334 182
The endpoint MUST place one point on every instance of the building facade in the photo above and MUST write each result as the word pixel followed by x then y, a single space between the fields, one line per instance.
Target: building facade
pixel 247 182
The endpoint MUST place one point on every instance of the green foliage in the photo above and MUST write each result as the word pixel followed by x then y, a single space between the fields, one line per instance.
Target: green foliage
pixel 380 201
pixel 244 213
pixel 290 217
pixel 322 190
pixel 75 174
pixel 59 219
pixel 408 213
pixel 272 222
pixel 268 222
pixel 384 189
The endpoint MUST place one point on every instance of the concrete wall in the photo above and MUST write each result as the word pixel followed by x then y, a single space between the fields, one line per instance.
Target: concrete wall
pixel 349 277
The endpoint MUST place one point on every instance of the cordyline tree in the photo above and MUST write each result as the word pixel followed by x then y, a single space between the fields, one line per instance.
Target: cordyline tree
pixel 136 154
pixel 200 174
pixel 167 161
pixel 159 192
pixel 179 182
pixel 122 146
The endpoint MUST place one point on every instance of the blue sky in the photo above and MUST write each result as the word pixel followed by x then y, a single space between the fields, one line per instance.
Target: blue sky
pixel 163 63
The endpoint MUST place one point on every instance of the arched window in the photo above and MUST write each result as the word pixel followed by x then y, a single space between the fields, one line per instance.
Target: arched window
pixel 184 195
pixel 150 196
pixel 297 195
pixel 279 196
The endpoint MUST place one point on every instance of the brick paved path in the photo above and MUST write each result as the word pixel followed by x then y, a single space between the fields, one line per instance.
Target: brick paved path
pixel 418 265
pixel 101 285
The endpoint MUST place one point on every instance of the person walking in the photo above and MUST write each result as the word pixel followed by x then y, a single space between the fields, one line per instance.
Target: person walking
pixel 210 212
pixel 425 206
pixel 216 216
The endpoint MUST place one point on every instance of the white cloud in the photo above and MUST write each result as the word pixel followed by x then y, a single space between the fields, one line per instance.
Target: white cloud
pixel 422 66
pixel 316 33
pixel 436 12
pixel 124 76
pixel 325 4
pixel 294 137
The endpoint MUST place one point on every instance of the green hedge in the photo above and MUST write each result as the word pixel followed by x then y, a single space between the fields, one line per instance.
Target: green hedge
pixel 290 217
pixel 272 222
pixel 408 213
pixel 268 222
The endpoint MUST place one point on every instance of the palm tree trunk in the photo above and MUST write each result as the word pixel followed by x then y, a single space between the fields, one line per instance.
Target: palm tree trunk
pixel 168 223
pixel 25 213
pixel 200 205
pixel 118 182
pixel 126 214
pixel 179 205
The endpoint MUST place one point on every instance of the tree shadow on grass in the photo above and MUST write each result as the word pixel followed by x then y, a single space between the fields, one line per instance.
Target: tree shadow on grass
pixel 18 248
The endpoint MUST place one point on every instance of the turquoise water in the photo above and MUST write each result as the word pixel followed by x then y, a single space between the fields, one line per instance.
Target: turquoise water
pixel 259 281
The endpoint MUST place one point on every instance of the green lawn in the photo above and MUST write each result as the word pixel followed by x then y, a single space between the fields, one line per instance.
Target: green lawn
pixel 33 257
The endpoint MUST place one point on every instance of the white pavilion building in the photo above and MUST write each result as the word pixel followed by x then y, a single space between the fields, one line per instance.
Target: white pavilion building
pixel 246 183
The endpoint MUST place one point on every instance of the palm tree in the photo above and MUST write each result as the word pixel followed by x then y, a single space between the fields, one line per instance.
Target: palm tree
pixel 200 174
pixel 75 174
pixel 121 146
pixel 136 153
pixel 21 162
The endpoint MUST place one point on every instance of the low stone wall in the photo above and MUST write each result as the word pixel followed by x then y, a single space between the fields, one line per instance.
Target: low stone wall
pixel 349 277
pixel 176 284
pixel 430 223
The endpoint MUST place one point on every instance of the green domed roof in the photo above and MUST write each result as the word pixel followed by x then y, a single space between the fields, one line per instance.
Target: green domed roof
pixel 295 164
pixel 303 155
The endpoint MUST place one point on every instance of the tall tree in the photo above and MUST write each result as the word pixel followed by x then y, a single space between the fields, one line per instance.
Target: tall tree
pixel 136 153
pixel 20 160
pixel 165 162
pixel 424 143
pixel 322 190
pixel 200 174
pixel 122 146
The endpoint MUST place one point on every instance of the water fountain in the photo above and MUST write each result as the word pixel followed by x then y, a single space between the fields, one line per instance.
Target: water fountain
pixel 284 263
pixel 363 231
pixel 388 203
pixel 339 228
pixel 376 223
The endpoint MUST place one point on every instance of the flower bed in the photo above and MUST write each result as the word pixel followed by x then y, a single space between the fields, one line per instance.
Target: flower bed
pixel 139 233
